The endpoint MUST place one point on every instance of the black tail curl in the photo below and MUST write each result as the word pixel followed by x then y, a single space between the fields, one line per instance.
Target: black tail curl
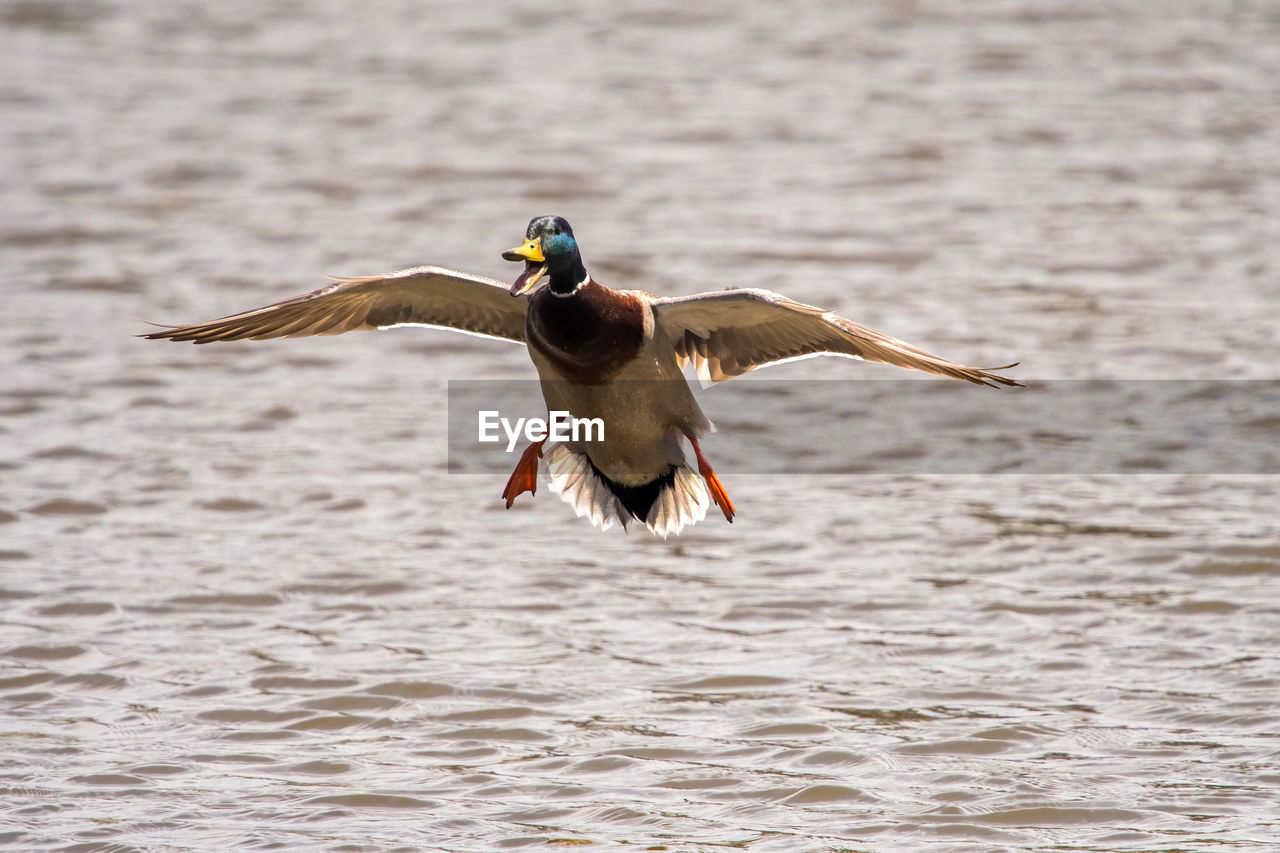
pixel 638 500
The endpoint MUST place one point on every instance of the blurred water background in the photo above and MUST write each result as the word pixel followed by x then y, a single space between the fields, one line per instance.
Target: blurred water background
pixel 244 605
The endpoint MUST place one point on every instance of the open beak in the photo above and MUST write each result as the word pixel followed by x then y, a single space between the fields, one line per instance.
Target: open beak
pixel 535 265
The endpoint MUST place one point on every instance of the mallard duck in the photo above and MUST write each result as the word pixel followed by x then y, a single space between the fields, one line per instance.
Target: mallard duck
pixel 617 355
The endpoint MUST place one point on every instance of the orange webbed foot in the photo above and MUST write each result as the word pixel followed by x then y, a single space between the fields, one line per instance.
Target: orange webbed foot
pixel 718 494
pixel 525 477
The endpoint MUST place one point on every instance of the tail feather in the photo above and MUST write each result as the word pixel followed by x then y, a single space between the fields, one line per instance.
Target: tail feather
pixel 681 504
pixel 666 505
pixel 579 487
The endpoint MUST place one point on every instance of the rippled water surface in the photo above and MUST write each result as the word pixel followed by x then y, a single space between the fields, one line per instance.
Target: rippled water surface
pixel 243 605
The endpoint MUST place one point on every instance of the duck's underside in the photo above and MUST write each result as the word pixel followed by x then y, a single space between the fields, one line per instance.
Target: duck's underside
pixel 666 505
pixel 677 496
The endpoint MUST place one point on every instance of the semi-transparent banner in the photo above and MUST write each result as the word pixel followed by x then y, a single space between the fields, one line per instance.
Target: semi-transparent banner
pixel 911 426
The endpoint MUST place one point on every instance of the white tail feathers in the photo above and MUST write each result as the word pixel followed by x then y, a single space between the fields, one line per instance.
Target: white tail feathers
pixel 680 503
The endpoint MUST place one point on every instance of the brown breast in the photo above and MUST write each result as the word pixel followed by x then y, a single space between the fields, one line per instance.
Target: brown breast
pixel 588 336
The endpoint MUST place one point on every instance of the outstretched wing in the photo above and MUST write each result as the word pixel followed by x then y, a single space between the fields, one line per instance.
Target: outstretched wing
pixel 421 296
pixel 731 332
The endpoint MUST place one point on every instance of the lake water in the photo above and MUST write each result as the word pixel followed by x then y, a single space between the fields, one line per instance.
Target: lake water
pixel 244 605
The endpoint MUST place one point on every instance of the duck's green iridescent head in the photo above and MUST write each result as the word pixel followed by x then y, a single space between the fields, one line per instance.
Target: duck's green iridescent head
pixel 549 248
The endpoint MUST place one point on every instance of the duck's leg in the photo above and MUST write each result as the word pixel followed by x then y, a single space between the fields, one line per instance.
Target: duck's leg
pixel 525 477
pixel 718 494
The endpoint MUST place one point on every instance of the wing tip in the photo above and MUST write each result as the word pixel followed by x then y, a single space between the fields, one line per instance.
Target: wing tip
pixel 988 377
pixel 166 331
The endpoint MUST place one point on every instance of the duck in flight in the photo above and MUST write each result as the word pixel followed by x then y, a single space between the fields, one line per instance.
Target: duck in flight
pixel 616 355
